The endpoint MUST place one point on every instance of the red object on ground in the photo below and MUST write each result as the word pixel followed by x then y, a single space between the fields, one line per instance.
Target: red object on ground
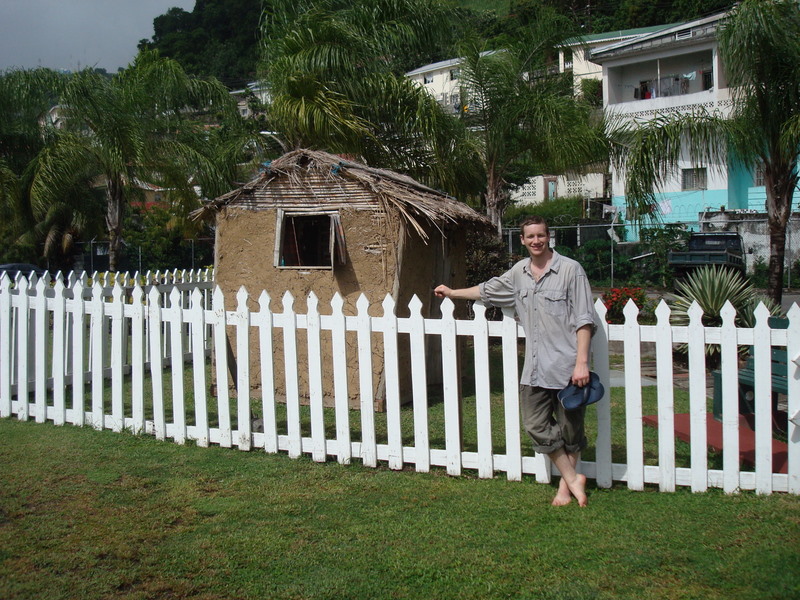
pixel 747 439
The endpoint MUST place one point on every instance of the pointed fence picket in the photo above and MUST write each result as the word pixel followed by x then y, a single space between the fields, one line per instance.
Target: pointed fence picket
pixel 242 317
pixel 174 318
pixel 197 319
pixel 156 362
pixel 368 447
pixel 290 358
pixel 633 397
pixel 666 400
pixel 483 407
pixel 344 449
pixel 102 352
pixel 697 399
pixel 22 350
pixel 264 321
pixel 59 346
pixel 793 398
pixel 604 472
pixel 41 323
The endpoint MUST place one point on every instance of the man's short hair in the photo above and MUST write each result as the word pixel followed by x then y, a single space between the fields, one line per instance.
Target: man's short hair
pixel 534 220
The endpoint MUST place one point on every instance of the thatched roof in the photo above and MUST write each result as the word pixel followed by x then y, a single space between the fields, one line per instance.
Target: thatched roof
pixel 294 180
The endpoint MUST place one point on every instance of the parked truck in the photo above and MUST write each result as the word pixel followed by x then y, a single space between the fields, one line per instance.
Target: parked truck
pixel 722 248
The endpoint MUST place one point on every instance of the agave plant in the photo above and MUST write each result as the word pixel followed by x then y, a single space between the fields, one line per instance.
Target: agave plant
pixel 711 287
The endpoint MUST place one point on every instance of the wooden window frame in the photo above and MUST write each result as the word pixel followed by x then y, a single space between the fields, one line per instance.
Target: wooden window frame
pixel 336 242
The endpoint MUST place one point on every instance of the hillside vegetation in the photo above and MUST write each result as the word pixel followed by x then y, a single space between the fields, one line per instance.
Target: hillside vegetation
pixel 220 38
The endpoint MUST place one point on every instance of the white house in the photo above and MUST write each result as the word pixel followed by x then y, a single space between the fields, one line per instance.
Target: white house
pixel 537 189
pixel 575 54
pixel 255 90
pixel 677 69
pixel 575 57
pixel 441 80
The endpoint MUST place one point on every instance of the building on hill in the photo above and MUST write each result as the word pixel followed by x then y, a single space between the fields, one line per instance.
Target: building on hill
pixel 250 96
pixel 442 81
pixel 575 54
pixel 678 69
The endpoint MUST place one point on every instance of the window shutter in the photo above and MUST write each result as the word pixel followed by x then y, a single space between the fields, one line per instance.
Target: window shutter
pixel 339 249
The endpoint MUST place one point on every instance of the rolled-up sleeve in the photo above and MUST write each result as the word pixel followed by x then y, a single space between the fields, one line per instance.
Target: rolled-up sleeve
pixel 581 295
pixel 499 291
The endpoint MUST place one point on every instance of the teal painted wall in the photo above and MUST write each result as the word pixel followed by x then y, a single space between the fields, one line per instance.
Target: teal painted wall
pixel 680 207
pixel 757 198
pixel 740 182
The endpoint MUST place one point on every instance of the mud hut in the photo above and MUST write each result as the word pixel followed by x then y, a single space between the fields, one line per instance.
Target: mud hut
pixel 313 221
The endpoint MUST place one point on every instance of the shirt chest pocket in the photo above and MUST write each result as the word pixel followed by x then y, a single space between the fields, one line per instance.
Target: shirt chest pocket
pixel 553 302
pixel 524 298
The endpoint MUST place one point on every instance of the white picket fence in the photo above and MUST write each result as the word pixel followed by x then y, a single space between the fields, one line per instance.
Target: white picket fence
pixel 51 333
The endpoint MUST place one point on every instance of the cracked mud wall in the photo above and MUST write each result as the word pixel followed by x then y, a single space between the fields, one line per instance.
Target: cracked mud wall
pixel 382 259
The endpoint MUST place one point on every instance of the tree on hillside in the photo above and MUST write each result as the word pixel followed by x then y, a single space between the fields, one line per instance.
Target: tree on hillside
pixel 595 16
pixel 759 43
pixel 218 38
pixel 335 73
pixel 524 118
pixel 26 97
pixel 134 128
pixel 221 38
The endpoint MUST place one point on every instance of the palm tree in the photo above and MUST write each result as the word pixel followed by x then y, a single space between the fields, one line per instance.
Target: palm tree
pixel 139 126
pixel 26 96
pixel 335 73
pixel 524 117
pixel 759 44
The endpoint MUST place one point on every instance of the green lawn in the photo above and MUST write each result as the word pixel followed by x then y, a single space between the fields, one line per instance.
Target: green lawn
pixel 88 514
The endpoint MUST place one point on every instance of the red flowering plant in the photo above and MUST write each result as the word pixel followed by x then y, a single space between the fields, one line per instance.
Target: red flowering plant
pixel 616 299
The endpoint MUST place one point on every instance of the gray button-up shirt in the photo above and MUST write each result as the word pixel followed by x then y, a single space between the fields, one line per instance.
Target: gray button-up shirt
pixel 550 311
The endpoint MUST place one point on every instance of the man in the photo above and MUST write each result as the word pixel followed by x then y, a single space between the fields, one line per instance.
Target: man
pixel 553 300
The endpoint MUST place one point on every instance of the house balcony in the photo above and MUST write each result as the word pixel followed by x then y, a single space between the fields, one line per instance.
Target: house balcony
pixel 712 100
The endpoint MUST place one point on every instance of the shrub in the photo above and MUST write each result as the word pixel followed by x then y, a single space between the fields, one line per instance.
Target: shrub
pixel 595 258
pixel 557 211
pixel 711 287
pixel 616 299
pixel 487 256
pixel 760 276
pixel 660 241
pixel 592 92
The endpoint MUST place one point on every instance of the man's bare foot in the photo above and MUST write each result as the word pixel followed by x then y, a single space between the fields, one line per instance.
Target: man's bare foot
pixel 578 489
pixel 564 496
pixel 565 492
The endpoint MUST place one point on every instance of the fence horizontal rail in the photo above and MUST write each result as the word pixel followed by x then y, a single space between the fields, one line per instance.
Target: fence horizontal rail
pixel 289 381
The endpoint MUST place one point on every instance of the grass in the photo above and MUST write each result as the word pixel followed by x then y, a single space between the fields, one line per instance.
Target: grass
pixel 94 514
pixel 88 514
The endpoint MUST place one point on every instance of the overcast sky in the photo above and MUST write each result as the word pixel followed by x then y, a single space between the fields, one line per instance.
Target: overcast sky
pixel 72 34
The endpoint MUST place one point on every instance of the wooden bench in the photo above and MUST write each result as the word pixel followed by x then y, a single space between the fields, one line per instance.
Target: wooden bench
pixel 779 371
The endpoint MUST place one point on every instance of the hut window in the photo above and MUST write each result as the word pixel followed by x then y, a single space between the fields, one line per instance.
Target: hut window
pixel 309 240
